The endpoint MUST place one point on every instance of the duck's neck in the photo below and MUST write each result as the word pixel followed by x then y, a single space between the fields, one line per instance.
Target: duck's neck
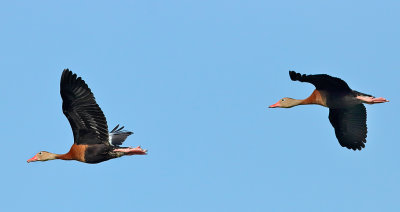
pixel 66 156
pixel 53 156
pixel 295 102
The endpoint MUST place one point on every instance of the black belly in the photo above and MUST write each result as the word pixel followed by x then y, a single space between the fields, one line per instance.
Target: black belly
pixel 341 100
pixel 96 153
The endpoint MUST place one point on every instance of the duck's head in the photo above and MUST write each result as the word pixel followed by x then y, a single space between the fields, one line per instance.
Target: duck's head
pixel 285 103
pixel 42 156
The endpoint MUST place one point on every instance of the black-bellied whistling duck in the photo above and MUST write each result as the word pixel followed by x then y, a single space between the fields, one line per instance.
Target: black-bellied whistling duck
pixel 347 113
pixel 92 141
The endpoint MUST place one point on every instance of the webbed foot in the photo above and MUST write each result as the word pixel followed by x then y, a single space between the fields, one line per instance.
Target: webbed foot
pixel 132 151
pixel 372 100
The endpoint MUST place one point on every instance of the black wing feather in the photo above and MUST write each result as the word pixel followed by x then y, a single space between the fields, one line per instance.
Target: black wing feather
pixel 115 129
pixel 350 125
pixel 322 81
pixel 88 122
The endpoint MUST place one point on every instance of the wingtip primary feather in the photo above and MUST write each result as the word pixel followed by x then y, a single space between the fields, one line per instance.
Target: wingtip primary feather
pixel 291 74
pixel 115 128
pixel 294 76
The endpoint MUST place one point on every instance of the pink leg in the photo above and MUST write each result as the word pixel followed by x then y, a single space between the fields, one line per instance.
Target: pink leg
pixel 372 100
pixel 132 151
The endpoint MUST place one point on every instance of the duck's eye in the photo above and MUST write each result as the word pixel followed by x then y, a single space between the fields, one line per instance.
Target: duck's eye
pixel 40 153
pixel 282 100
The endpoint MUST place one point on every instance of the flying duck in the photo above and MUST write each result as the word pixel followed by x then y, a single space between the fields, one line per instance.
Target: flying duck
pixel 92 141
pixel 347 113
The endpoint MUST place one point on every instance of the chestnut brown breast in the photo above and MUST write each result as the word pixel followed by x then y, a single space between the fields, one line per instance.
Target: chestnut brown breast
pixel 77 152
pixel 317 97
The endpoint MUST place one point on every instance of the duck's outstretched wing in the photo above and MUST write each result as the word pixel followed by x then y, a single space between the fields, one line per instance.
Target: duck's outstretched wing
pixel 350 125
pixel 322 81
pixel 88 122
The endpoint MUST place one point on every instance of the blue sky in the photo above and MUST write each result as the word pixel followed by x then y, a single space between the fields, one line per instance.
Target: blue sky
pixel 193 80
